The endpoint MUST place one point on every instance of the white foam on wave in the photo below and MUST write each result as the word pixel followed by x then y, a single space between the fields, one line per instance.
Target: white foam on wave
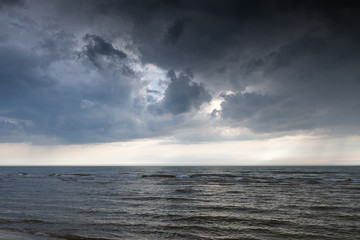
pixel 182 176
pixel 41 234
pixel 336 179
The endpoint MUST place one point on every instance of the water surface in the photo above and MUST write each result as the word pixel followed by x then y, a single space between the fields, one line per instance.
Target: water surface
pixel 182 202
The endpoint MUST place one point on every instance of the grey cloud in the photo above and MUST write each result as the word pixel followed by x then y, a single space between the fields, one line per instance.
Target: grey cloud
pixel 153 91
pixel 97 47
pixel 21 70
pixel 265 114
pixel 244 106
pixel 305 46
pixel 175 31
pixel 181 95
pixel 215 28
pixel 11 3
pixel 3 38
pixel 297 61
pixel 59 45
pixel 218 31
pixel 77 112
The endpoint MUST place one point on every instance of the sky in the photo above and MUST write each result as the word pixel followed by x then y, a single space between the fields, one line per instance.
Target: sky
pixel 179 82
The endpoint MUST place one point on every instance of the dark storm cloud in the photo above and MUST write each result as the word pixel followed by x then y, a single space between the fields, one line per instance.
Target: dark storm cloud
pixel 58 45
pixel 264 113
pixel 244 106
pixel 48 95
pixel 181 95
pixel 19 71
pixel 97 47
pixel 11 3
pixel 278 65
pixel 215 27
pixel 174 31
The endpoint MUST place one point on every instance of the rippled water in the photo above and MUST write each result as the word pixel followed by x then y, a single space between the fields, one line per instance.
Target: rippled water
pixel 182 202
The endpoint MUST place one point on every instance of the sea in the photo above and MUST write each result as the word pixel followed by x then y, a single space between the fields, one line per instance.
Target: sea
pixel 232 202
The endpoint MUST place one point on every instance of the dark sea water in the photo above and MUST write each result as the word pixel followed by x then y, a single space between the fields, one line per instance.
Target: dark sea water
pixel 182 202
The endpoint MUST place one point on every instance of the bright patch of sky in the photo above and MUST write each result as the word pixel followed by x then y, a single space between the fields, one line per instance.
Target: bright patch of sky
pixel 156 76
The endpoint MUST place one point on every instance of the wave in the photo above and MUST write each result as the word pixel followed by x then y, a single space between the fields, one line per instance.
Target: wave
pixel 254 179
pixel 325 208
pixel 182 176
pixel 238 178
pixel 337 179
pixel 220 175
pixel 244 221
pixel 76 237
pixel 158 198
pixel 69 175
pixel 29 221
pixel 233 179
pixel 220 178
pixel 159 176
pixel 184 190
pixel 302 172
pixel 313 181
pixel 229 208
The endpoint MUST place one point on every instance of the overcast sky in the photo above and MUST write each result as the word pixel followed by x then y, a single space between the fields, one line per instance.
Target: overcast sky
pixel 179 82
